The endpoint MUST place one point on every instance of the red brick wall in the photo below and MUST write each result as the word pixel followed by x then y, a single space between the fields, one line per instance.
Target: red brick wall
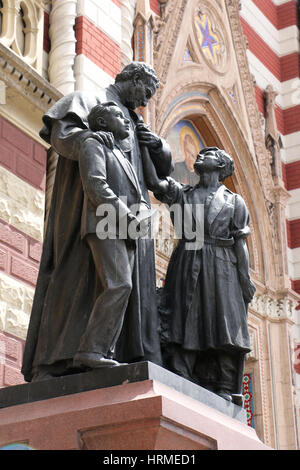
pixel 117 2
pixel 288 120
pixel 46 33
pixel 297 358
pixel 19 254
pixel 296 288
pixel 154 5
pixel 259 94
pixel 289 66
pixel 287 14
pixel 22 155
pixel 291 175
pixel 97 46
pixel 11 355
pixel 293 234
pixel 283 68
pixel 281 16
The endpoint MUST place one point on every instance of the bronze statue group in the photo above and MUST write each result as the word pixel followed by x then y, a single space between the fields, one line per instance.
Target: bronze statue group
pixel 95 302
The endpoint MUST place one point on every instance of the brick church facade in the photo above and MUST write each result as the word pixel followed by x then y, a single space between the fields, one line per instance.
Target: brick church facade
pixel 229 75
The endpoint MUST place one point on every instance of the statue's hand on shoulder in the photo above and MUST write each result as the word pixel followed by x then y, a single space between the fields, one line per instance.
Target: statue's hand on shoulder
pixel 105 138
pixel 148 138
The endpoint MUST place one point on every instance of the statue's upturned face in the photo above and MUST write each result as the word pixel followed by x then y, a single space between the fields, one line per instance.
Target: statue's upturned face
pixel 207 162
pixel 117 123
pixel 139 92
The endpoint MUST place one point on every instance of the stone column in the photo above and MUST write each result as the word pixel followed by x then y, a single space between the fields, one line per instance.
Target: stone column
pixel 63 45
pixel 61 69
pixel 128 14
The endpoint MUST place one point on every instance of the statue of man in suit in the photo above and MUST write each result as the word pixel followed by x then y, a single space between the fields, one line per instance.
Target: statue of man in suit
pixel 110 183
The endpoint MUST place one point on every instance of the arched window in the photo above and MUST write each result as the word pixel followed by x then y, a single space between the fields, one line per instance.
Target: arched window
pixel 20 31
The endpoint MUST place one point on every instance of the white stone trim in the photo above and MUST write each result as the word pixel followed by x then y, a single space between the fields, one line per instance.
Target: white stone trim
pixel 280 2
pixel 290 93
pixel 262 74
pixel 45 65
pixel 128 13
pixel 293 206
pixel 105 14
pixel 283 41
pixel 294 263
pixel 21 205
pixel 15 305
pixel 90 77
pixel 291 147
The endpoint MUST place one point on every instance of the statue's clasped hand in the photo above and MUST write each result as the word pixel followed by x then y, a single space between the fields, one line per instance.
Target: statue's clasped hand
pixel 248 289
pixel 148 138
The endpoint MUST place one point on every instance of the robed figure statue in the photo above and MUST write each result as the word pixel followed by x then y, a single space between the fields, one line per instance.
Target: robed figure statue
pixel 204 302
pixel 68 284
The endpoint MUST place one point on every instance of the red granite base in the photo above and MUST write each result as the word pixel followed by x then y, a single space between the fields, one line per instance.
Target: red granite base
pixel 135 416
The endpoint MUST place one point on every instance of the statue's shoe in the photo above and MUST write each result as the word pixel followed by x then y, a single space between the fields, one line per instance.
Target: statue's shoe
pixel 93 360
pixel 224 394
pixel 41 375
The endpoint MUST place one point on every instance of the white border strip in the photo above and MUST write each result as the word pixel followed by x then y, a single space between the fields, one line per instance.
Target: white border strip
pixel 283 42
pixel 89 77
pixel 105 14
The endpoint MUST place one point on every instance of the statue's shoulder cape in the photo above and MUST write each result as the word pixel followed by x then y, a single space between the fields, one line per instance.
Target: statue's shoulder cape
pixel 77 104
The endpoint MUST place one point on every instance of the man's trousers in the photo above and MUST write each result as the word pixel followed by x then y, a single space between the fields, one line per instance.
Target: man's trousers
pixel 114 261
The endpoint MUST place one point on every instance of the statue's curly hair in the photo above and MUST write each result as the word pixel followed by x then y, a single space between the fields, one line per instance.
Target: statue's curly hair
pixel 141 68
pixel 223 157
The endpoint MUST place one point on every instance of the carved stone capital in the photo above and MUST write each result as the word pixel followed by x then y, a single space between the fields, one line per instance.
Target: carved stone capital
pixel 275 308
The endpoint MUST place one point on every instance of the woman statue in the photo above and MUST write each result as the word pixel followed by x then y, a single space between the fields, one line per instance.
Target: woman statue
pixel 208 288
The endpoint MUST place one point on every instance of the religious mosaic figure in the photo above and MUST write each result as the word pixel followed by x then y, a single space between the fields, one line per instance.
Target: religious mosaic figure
pixel 68 284
pixel 184 171
pixel 185 144
pixel 207 290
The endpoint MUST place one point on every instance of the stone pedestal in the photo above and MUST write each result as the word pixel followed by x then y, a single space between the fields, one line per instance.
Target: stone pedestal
pixel 135 407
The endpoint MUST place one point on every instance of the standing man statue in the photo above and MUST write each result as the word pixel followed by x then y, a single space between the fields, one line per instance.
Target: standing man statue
pixel 68 284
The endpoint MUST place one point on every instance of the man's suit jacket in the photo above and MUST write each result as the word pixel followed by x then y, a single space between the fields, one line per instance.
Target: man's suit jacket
pixel 109 183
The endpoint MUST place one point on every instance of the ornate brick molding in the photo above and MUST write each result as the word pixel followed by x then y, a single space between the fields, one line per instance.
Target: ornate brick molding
pixel 262 155
pixel 237 123
pixel 16 74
